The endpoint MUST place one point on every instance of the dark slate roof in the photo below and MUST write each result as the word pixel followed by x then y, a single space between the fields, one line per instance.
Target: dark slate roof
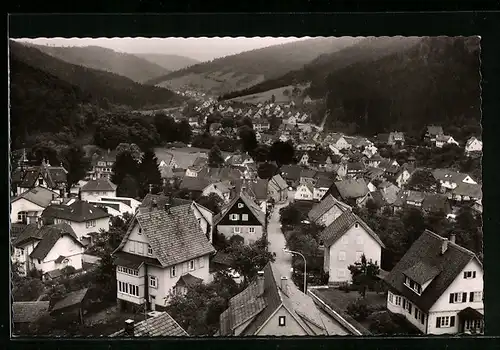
pixel 342 224
pixel 188 280
pixel 175 236
pixel 436 202
pixel 73 298
pixel 355 166
pixel 427 250
pixel 161 200
pixel 326 204
pixel 78 211
pixel 133 261
pixel 50 235
pixel 30 232
pixel 308 173
pixel 52 174
pixel 324 183
pixel 39 195
pixel 28 311
pixel 222 258
pixel 435 129
pixel 421 272
pixel 16 229
pixel 471 190
pixel 448 175
pixel 162 325
pixel 470 314
pixel 101 184
pixel 352 188
pixel 291 172
pixel 194 183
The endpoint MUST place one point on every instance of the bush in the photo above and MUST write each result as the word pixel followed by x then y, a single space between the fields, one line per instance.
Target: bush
pixel 386 322
pixel 358 309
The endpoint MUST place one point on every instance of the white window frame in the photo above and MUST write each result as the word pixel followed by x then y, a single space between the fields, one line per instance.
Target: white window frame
pixel 244 217
pixel 359 255
pixel 173 272
pixel 282 321
pixel 140 248
pixel 251 229
pixel 240 205
pixel 191 265
pixel 150 250
pixel 234 217
pixel 397 300
pixel 153 282
pixel 342 255
pixel 444 322
pixel 478 297
pixel 236 229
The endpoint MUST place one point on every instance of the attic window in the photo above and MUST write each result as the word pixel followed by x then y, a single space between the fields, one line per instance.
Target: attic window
pixel 140 230
pixel 282 321
pixel 240 205
pixel 356 225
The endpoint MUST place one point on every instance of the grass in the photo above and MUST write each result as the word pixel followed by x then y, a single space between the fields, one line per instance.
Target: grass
pixel 266 96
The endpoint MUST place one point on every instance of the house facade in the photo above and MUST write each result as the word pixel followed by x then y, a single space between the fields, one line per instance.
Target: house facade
pixel 345 241
pixel 438 287
pixel 473 145
pixel 278 189
pixel 327 211
pixel 51 177
pixel 220 189
pixel 304 192
pixel 94 190
pixel 31 204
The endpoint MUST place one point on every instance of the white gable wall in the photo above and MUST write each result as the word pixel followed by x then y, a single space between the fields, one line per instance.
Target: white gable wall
pixel 24 205
pixel 330 216
pixel 66 247
pixel 96 195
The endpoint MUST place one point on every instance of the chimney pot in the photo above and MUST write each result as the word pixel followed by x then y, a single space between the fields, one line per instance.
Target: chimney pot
pixel 452 238
pixel 129 327
pixel 284 284
pixel 444 246
pixel 260 282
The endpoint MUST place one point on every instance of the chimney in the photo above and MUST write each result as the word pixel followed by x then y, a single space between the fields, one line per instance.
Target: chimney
pixel 129 327
pixel 444 246
pixel 452 238
pixel 284 285
pixel 260 282
pixel 167 207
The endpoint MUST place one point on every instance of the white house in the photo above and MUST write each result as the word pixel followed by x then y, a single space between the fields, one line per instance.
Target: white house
pixel 126 204
pixel 164 248
pixel 345 240
pixel 93 190
pixel 220 189
pixel 45 175
pixel 84 218
pixel 473 145
pixel 31 204
pixel 327 211
pixel 449 179
pixel 442 140
pixel 304 192
pixel 438 287
pixel 47 248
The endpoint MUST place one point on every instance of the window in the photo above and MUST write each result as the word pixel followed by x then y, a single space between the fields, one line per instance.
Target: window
pixel 236 229
pixel 358 256
pixel 417 314
pixel 172 271
pixel 150 250
pixel 39 261
pixel 445 321
pixel 341 256
pixel 345 239
pixel 417 288
pixel 40 182
pixel 282 321
pixel 404 303
pixel 140 231
pixel 469 274
pixel 458 298
pixel 251 229
pixel 359 239
pixel 191 265
pixel 22 216
pixel 391 298
pixel 241 205
pixel 234 217
pixel 398 300
pixel 422 318
pixel 356 225
pixel 244 217
pixel 140 248
pixel 128 288
pixel 408 307
pixel 475 297
pixel 153 281
pixel 472 324
pixel 340 272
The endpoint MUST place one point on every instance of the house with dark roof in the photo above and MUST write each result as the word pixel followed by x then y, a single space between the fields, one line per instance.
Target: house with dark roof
pixel 93 190
pixel 26 312
pixel 102 165
pixel 433 131
pixel 345 240
pixel 157 324
pixel 161 245
pixel 449 179
pixel 221 189
pixel 304 192
pixel 199 164
pixel 442 140
pixel 47 248
pixel 242 217
pixel 438 286
pixel 73 305
pixel 84 218
pixel 271 306
pixel 291 173
pixel 321 186
pixel 29 205
pixel 278 189
pixel 350 191
pixel 194 185
pixel 473 146
pixel 327 211
pixel 51 177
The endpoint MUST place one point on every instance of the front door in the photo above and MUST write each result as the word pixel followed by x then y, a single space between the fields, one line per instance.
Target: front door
pixel 152 302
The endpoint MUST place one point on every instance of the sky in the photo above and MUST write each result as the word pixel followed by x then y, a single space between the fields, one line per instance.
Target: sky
pixel 198 48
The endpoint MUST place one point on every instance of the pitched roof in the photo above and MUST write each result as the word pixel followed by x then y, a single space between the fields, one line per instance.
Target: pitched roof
pixel 249 202
pixel 443 138
pixel 470 190
pixel 54 175
pixel 188 280
pixel 28 311
pixel 425 252
pixel 174 235
pixel 73 298
pixel 448 175
pixel 78 211
pixel 279 182
pixel 421 272
pixel 352 188
pixel 39 195
pixel 342 224
pixel 308 173
pixel 161 200
pixel 435 130
pixel 194 183
pixel 162 325
pixel 326 204
pixel 50 234
pixel 436 202
pixel 291 172
pixel 101 184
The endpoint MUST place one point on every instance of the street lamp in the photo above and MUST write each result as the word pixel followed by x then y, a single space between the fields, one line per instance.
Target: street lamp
pixel 305 265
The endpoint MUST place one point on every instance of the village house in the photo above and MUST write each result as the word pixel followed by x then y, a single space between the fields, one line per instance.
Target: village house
pixel 291 173
pixel 222 190
pixel 102 165
pixel 194 185
pixel 466 192
pixel 84 218
pixel 438 287
pixel 449 179
pixel 433 131
pixel 355 169
pixel 321 186
pixel 161 245
pixel 396 138
pixel 473 146
pixel 338 141
pixel 30 204
pixel 304 192
pixel 370 151
pixel 308 176
pixel 157 324
pixel 25 313
pixel 51 177
pixel 241 217
pixel 374 161
pixel 327 211
pixel 261 125
pixel 346 240
pixel 271 306
pixel 385 164
pixel 199 164
pixel 47 248
pixel 442 140
pixel 93 190
pixel 278 189
pixel 350 191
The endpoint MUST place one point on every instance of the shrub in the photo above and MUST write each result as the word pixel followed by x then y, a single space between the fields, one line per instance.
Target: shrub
pixel 358 309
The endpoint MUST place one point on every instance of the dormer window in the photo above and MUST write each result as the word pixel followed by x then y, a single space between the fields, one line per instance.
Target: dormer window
pixel 417 288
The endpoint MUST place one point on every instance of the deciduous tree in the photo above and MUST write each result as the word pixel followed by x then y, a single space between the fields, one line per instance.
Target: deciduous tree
pixel 364 274
pixel 215 158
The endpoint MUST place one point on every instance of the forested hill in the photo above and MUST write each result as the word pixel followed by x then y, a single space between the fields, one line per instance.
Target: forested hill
pixel 95 57
pixel 168 61
pixel 250 67
pixel 436 81
pixel 103 86
pixel 316 71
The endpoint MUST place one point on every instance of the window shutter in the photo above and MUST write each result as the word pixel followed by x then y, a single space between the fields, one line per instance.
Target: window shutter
pixel 465 274
pixel 451 298
pixel 438 322
pixel 452 321
pixel 464 297
pixel 473 274
pixel 471 297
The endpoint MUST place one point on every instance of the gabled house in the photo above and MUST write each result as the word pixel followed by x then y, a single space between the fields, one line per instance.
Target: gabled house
pixel 433 131
pixel 338 141
pixel 435 203
pixel 396 138
pixel 307 176
pixel 449 179
pixel 385 164
pixel 29 205
pixel 220 189
pixel 355 168
pixel 374 161
pixel 345 240
pixel 473 146
pixel 47 248
pixel 291 173
pixel 278 189
pixel 102 165
pixel 304 192
pixel 327 211
pixel 271 306
pixel 51 177
pixel 241 217
pixel 93 190
pixel 467 192
pixel 161 245
pixel 438 287
pixel 199 164
pixel 157 324
pixel 403 176
pixel 350 191
pixel 194 185
pixel 442 140
pixel 84 218
pixel 321 186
